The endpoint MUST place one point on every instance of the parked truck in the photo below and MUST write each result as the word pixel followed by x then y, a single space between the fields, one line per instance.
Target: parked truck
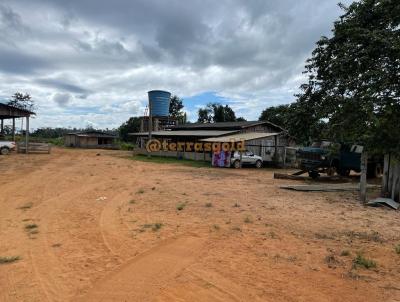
pixel 6 147
pixel 341 158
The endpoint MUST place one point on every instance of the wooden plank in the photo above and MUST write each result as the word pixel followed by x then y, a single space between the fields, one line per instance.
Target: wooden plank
pixel 27 136
pixel 335 178
pixel 325 187
pixel 395 169
pixel 385 176
pixel 363 177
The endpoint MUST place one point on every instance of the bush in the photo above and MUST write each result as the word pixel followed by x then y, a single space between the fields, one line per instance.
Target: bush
pixel 126 146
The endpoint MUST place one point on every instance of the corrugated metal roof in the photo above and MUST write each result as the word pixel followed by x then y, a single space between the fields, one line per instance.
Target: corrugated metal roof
pixel 194 133
pixel 224 125
pixel 239 137
pixel 93 133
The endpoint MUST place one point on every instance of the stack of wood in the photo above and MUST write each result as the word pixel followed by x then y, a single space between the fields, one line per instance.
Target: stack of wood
pixel 34 148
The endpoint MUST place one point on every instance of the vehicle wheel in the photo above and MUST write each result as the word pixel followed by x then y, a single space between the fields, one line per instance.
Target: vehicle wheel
pixel 236 164
pixel 258 164
pixel 313 174
pixel 344 172
pixel 4 151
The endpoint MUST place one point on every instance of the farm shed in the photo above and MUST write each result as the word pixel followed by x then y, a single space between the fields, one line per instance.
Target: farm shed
pixel 90 139
pixel 178 136
pixel 11 112
pixel 263 138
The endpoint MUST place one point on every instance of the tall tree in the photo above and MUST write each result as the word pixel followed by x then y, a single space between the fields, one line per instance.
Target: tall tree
pixel 216 113
pixel 299 119
pixel 353 77
pixel 175 109
pixel 130 126
pixel 277 115
pixel 22 101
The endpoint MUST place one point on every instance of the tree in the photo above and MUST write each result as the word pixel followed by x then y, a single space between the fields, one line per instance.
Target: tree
pixel 277 115
pixel 216 113
pixel 175 106
pixel 175 109
pixel 299 119
pixel 130 126
pixel 22 101
pixel 353 77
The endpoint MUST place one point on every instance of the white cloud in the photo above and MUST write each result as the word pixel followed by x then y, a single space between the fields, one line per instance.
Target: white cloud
pixel 93 61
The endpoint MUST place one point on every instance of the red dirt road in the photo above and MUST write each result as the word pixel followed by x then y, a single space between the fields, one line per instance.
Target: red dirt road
pixel 107 228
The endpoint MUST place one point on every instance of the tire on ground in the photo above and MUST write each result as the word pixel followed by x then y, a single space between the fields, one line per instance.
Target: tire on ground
pixel 4 151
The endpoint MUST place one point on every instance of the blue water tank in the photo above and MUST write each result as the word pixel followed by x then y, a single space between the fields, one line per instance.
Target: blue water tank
pixel 159 102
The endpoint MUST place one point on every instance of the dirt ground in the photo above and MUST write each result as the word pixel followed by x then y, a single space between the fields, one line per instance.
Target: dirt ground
pixel 91 227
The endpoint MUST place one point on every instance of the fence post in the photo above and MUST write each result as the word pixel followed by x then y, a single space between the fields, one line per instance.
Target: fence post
pixel 363 177
pixel 385 176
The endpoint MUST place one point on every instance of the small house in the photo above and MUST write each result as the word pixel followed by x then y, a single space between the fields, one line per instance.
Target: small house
pixel 90 139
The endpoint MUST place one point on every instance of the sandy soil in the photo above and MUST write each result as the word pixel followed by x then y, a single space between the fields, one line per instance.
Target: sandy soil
pixel 109 229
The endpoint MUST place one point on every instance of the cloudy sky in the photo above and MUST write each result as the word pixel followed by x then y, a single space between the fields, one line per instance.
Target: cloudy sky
pixel 91 62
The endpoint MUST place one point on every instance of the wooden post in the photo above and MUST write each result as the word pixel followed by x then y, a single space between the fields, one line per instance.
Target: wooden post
pixel 150 126
pixel 385 176
pixel 284 158
pixel 13 129
pixel 363 177
pixel 27 135
pixel 396 176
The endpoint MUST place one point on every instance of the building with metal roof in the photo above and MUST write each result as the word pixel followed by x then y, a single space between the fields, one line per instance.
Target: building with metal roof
pixel 90 139
pixel 261 137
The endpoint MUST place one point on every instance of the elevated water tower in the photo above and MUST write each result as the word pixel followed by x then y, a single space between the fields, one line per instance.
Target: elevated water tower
pixel 159 101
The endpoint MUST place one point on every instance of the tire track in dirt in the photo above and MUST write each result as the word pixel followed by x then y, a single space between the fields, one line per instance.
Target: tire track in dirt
pixel 142 278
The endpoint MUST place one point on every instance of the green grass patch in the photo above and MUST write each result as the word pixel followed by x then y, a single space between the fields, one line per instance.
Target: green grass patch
pixel 26 206
pixel 397 249
pixel 5 260
pixel 171 160
pixel 157 226
pixel 126 146
pixel 248 220
pixel 361 261
pixel 345 253
pixel 154 226
pixel 31 226
pixel 180 206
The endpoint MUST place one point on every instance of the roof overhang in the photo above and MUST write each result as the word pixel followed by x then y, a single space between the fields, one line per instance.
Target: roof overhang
pixel 9 112
pixel 185 133
pixel 240 137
